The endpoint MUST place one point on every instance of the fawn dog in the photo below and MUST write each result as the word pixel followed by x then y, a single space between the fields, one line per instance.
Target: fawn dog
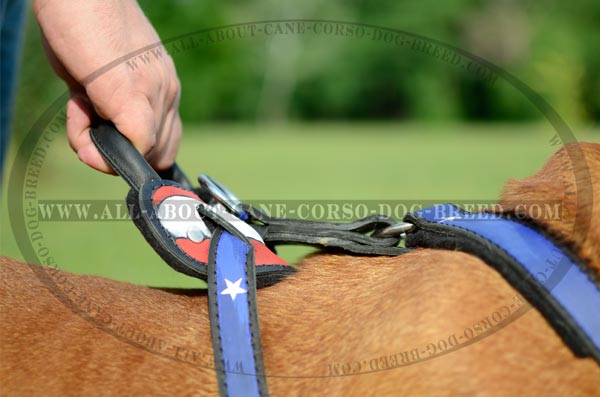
pixel 343 325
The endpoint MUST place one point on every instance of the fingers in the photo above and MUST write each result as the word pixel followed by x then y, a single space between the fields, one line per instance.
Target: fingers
pixel 153 126
pixel 156 133
pixel 79 120
pixel 169 137
pixel 169 143
pixel 139 121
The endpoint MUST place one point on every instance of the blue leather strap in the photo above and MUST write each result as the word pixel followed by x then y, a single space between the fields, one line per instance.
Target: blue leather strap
pixel 548 275
pixel 234 319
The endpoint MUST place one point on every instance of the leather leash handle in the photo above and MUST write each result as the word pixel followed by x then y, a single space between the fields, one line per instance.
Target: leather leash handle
pixel 125 159
pixel 122 156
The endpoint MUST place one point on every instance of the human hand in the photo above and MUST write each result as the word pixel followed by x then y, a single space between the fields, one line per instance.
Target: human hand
pixel 81 38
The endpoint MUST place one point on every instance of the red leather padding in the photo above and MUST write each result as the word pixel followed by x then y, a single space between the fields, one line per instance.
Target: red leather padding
pixel 167 191
pixel 199 251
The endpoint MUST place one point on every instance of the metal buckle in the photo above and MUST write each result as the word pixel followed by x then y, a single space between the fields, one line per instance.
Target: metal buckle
pixel 399 229
pixel 223 196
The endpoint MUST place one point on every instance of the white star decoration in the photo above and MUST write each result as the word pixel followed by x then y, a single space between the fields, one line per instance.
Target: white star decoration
pixel 233 289
pixel 450 218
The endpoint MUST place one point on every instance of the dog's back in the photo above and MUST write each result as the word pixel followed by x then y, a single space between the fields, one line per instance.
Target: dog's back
pixel 342 325
pixel 356 317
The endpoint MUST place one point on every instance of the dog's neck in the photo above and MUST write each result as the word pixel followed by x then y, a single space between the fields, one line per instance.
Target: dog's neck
pixel 573 176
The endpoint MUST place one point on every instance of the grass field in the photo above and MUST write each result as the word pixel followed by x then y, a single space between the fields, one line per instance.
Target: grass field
pixel 333 161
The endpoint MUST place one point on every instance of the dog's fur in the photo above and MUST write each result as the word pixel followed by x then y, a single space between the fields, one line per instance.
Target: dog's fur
pixel 337 309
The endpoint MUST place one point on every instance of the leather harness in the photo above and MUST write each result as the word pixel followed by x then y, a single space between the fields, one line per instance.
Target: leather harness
pixel 231 246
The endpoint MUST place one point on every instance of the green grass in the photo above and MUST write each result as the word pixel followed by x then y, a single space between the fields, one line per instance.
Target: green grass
pixel 330 161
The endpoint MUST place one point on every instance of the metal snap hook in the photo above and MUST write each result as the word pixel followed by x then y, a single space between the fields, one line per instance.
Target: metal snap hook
pixel 223 196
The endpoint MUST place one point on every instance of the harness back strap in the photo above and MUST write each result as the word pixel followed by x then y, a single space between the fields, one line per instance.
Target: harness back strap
pixel 547 274
pixel 233 316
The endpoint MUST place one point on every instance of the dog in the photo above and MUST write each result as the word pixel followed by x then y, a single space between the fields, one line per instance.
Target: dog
pixel 342 325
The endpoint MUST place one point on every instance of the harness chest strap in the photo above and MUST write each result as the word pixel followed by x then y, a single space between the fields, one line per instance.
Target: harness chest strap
pixel 233 316
pixel 551 278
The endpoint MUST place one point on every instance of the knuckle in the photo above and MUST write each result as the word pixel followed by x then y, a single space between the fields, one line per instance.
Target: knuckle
pixel 150 142
pixel 138 123
pixel 175 89
pixel 163 163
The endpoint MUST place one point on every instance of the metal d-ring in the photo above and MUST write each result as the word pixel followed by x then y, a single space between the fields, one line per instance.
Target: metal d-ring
pixel 223 196
pixel 399 229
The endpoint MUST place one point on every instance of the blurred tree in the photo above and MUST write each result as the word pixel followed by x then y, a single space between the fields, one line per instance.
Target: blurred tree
pixel 552 46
